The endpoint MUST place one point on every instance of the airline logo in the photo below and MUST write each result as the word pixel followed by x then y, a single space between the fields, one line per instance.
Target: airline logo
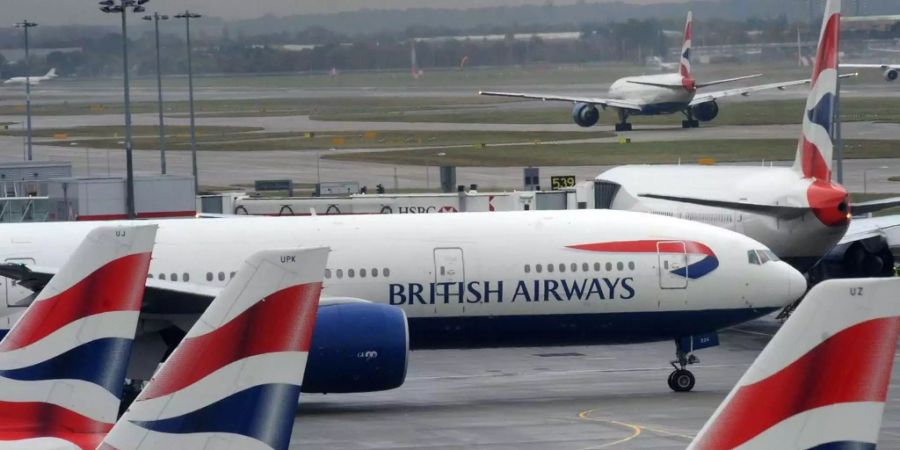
pixel 62 366
pixel 816 147
pixel 704 259
pixel 823 379
pixel 219 386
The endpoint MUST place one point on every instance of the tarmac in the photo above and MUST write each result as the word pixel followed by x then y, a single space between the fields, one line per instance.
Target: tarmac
pixel 568 398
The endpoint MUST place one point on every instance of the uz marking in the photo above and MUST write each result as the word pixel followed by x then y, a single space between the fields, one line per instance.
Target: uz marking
pixel 856 291
pixel 286 259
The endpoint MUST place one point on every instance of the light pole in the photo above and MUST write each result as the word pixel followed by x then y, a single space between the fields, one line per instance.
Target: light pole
pixel 121 8
pixel 156 17
pixel 866 177
pixel 187 16
pixel 25 25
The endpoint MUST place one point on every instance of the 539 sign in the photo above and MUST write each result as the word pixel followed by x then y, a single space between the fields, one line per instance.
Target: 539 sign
pixel 562 182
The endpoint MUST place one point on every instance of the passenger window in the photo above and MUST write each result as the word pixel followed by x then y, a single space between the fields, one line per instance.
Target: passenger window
pixel 549 268
pixel 596 267
pixel 574 267
pixel 351 273
pixel 443 271
pixel 585 267
pixel 386 272
pixel 221 276
pixel 630 265
pixel 609 267
pixel 162 276
pixel 327 273
pixel 209 276
pixel 185 277
pixel 340 273
pixel 562 268
pixel 362 273
pixel 752 258
pixel 233 274
pixel 527 268
pixel 620 266
pixel 538 268
pixel 666 265
pixel 374 273
pixel 174 277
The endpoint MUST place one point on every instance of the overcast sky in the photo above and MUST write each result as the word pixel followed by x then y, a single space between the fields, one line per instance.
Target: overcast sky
pixel 70 12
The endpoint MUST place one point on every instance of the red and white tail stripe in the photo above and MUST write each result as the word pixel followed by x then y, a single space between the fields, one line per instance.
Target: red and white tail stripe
pixel 62 366
pixel 235 378
pixel 822 380
pixel 815 148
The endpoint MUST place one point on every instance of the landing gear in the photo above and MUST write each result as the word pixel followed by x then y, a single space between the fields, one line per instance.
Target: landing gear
pixel 622 124
pixel 690 122
pixel 681 379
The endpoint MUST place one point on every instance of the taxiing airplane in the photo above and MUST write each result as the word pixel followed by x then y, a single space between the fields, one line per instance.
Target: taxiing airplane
pixel 651 95
pixel 233 382
pixel 822 381
pixel 891 71
pixel 34 81
pixel 798 211
pixel 463 280
pixel 62 366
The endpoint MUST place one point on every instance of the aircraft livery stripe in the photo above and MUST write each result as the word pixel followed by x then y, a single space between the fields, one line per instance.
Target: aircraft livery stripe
pixel 120 284
pixel 36 419
pixel 264 412
pixel 101 362
pixel 647 246
pixel 808 383
pixel 845 445
pixel 241 337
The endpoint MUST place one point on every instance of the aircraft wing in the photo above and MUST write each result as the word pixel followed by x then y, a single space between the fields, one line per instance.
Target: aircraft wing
pixel 605 102
pixel 869 66
pixel 867 227
pixel 779 211
pixel 746 91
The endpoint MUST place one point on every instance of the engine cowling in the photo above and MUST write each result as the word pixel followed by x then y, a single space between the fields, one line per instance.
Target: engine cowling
pixel 865 258
pixel 357 347
pixel 585 114
pixel 891 74
pixel 705 112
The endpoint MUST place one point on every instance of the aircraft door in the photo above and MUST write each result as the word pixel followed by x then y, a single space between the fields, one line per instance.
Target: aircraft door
pixel 449 275
pixel 672 264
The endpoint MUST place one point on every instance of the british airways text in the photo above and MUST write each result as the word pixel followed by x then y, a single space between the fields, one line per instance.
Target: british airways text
pixel 523 291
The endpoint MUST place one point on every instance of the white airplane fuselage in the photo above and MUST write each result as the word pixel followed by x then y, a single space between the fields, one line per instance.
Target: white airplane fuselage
pixel 653 99
pixel 482 279
pixel 801 240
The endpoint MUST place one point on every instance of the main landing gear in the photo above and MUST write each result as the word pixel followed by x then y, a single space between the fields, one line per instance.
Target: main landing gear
pixel 622 124
pixel 691 122
pixel 681 379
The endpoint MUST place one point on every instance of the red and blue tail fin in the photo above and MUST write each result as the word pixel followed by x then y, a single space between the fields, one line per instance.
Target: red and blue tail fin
pixel 815 148
pixel 685 64
pixel 234 380
pixel 62 365
pixel 822 381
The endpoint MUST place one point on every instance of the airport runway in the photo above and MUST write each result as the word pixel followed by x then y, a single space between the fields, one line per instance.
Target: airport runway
pixel 569 398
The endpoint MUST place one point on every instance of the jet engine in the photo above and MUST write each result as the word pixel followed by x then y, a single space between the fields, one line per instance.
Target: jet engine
pixel 357 347
pixel 891 74
pixel 706 111
pixel 864 258
pixel 585 114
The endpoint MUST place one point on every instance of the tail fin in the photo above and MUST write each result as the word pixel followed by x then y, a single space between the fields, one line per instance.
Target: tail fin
pixel 822 380
pixel 815 148
pixel 685 67
pixel 51 73
pixel 62 366
pixel 235 378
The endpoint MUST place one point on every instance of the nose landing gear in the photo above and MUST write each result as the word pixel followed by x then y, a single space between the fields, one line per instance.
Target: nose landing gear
pixel 681 379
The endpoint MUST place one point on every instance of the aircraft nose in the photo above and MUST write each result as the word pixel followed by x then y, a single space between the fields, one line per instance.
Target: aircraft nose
pixel 796 283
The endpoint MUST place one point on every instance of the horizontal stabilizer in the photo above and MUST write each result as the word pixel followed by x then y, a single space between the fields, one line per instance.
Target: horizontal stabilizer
pixel 875 205
pixel 778 211
pixel 604 102
pixel 728 80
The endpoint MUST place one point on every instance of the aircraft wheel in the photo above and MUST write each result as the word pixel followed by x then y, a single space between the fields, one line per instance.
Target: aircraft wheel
pixel 686 124
pixel 695 123
pixel 681 380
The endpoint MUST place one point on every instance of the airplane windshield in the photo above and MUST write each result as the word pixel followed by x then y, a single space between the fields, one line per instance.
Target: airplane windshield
pixel 752 258
pixel 759 257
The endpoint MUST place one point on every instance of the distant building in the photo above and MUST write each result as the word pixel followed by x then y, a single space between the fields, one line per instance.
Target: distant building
pixel 16 54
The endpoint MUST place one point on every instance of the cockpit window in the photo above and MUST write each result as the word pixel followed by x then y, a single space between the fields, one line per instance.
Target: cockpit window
pixel 763 256
pixel 752 258
pixel 772 256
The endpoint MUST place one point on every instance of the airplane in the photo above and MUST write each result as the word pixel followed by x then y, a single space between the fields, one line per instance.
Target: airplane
pixel 34 81
pixel 822 381
pixel 891 71
pixel 462 280
pixel 234 380
pixel 799 211
pixel 650 95
pixel 62 366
